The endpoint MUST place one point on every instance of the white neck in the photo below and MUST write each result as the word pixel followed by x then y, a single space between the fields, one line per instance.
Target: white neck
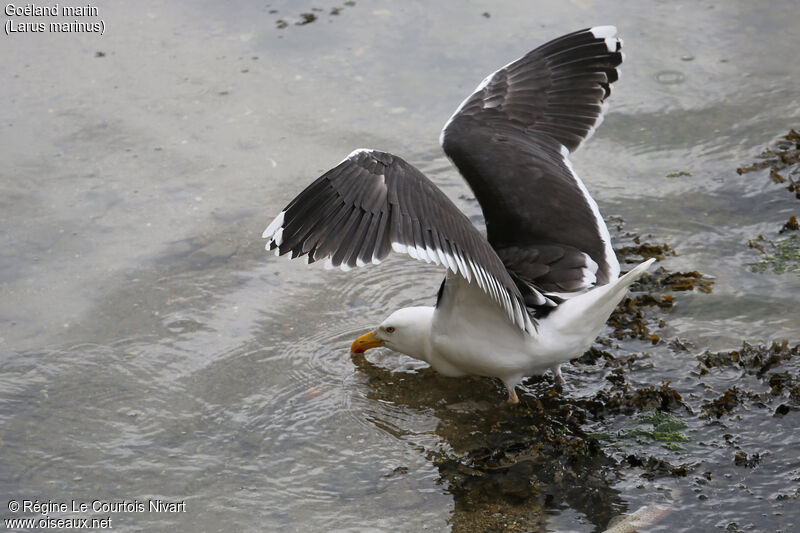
pixel 413 337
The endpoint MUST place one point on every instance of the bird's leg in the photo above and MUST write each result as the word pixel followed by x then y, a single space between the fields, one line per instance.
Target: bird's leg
pixel 559 377
pixel 513 399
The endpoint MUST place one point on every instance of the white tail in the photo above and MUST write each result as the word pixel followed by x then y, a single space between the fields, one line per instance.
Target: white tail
pixel 583 316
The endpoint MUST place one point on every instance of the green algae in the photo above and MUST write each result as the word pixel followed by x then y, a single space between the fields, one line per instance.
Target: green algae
pixel 678 174
pixel 652 427
pixel 779 257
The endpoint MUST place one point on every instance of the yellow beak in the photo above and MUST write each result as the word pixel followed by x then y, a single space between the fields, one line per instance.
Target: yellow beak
pixel 365 342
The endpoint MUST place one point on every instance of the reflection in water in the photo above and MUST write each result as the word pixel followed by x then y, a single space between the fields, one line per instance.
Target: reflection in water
pixel 505 466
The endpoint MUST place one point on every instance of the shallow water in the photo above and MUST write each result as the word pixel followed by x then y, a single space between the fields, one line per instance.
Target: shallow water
pixel 151 349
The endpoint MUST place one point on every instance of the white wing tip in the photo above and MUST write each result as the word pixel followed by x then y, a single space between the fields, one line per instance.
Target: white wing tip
pixel 399 248
pixel 274 226
pixel 603 32
pixel 277 238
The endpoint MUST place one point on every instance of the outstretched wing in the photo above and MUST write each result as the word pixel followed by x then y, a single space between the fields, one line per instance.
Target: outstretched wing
pixel 511 139
pixel 373 203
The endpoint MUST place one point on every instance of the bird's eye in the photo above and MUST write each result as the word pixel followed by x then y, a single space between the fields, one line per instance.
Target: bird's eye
pixel 390 329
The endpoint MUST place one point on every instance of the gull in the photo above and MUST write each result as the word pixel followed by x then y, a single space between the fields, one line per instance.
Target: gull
pixel 537 289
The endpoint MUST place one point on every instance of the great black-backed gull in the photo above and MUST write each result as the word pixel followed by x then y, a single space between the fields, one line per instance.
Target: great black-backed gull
pixel 537 289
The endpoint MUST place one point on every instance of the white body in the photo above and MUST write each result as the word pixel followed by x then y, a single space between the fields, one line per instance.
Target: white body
pixel 469 334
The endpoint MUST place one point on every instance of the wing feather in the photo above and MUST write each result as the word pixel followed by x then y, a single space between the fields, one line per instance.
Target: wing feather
pixel 511 138
pixel 374 202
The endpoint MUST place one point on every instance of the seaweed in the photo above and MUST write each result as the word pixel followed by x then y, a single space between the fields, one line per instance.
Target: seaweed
pixel 783 160
pixel 687 281
pixel 665 429
pixel 759 361
pixel 304 19
pixel 724 404
pixel 791 225
pixel 678 174
pixel 741 458
pixel 640 252
pixel 779 256
pixel 755 359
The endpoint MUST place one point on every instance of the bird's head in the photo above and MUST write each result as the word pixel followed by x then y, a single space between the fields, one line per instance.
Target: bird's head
pixel 406 331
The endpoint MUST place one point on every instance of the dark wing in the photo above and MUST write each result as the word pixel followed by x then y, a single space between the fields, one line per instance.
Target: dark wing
pixel 511 139
pixel 373 203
